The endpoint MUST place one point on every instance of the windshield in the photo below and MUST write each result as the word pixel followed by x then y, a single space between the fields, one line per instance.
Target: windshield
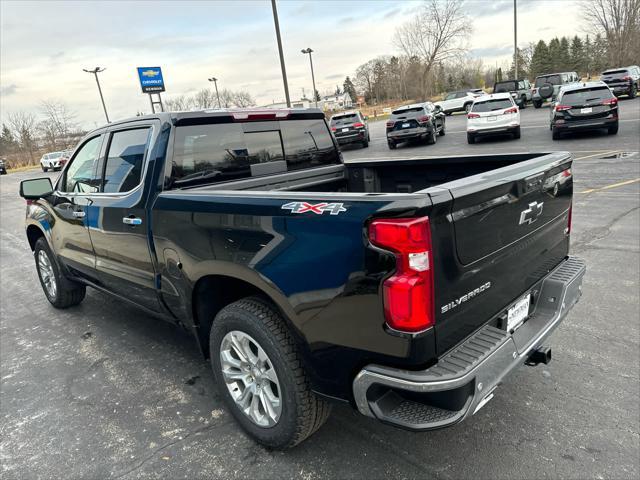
pixel 344 119
pixel 491 105
pixel 408 112
pixel 504 87
pixel 588 95
pixel 615 72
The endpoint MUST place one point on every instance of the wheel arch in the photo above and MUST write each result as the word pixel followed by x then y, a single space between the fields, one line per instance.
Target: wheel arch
pixel 33 234
pixel 211 293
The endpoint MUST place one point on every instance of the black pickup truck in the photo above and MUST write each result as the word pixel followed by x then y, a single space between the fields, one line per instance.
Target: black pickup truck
pixel 408 288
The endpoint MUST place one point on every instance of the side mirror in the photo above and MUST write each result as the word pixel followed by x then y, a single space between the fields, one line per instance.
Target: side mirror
pixel 438 108
pixel 36 188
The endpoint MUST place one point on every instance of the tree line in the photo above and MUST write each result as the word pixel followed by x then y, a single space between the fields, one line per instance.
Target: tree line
pixel 208 98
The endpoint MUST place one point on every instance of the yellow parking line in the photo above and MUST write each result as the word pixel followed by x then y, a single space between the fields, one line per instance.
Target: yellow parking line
pixel 628 182
pixel 596 154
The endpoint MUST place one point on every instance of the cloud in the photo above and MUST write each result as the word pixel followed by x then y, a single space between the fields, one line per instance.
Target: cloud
pixel 391 13
pixel 346 20
pixel 494 51
pixel 335 76
pixel 9 90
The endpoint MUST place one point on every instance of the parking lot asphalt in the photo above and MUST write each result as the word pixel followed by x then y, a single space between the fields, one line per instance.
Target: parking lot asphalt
pixel 104 391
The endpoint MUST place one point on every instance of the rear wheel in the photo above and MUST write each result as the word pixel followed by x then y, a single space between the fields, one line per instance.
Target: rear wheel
pixel 471 138
pixel 258 370
pixel 365 143
pixel 632 93
pixel 60 291
pixel 537 104
pixel 432 136
pixel 516 133
pixel 523 102
pixel 555 134
pixel 392 144
pixel 442 133
pixel 613 129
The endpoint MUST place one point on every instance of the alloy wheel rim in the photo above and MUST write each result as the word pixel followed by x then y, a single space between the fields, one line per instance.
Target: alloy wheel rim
pixel 46 274
pixel 251 379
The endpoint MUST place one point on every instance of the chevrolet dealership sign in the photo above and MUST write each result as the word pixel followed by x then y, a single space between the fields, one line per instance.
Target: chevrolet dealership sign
pixel 151 79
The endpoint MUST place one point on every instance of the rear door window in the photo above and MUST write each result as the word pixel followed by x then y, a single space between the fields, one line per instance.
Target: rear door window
pixel 407 112
pixel 552 79
pixel 586 96
pixel 340 120
pixel 125 159
pixel 504 87
pixel 491 105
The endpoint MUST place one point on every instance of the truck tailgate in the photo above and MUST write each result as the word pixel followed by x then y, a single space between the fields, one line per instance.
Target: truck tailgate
pixel 504 229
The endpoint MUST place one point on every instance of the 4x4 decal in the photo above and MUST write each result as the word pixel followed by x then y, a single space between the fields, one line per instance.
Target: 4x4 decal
pixel 318 208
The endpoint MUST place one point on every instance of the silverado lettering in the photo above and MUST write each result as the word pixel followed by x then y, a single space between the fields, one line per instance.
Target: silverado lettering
pixel 465 297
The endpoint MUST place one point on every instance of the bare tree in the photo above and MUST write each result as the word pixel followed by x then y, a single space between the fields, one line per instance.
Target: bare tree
pixel 58 124
pixel 618 21
pixel 180 103
pixel 243 99
pixel 23 125
pixel 436 34
pixel 205 98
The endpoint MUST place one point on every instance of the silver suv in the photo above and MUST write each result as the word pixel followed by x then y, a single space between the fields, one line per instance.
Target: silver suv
pixel 546 87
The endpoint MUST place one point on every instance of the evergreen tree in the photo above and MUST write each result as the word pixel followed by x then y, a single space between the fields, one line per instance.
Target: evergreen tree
pixel 522 66
pixel 7 142
pixel 553 55
pixel 578 57
pixel 564 57
pixel 540 59
pixel 317 96
pixel 499 75
pixel 350 88
pixel 588 56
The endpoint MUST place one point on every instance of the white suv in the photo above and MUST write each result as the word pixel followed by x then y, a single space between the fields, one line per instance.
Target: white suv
pixel 494 114
pixel 459 101
pixel 54 161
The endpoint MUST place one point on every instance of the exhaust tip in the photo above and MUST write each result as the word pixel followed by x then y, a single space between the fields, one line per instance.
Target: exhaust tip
pixel 541 355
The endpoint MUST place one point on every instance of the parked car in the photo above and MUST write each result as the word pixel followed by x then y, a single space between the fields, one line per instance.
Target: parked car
pixel 419 121
pixel 623 81
pixel 54 161
pixel 586 106
pixel 519 89
pixel 495 114
pixel 350 127
pixel 381 284
pixel 546 87
pixel 3 167
pixel 459 101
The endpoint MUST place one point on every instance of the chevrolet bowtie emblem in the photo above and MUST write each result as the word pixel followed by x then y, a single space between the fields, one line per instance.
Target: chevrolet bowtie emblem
pixel 531 214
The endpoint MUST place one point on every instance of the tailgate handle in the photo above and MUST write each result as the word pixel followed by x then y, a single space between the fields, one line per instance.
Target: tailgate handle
pixel 531 184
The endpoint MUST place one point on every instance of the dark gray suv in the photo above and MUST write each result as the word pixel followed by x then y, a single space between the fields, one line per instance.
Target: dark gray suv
pixel 350 127
pixel 546 87
pixel 623 81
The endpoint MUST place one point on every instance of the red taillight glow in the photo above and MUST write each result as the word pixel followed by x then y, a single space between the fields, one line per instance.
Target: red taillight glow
pixel 511 110
pixel 424 119
pixel 358 125
pixel 333 129
pixel 562 108
pixel 610 101
pixel 390 124
pixel 473 115
pixel 408 293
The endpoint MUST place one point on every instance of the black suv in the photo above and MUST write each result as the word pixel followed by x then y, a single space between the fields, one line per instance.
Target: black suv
pixel 3 167
pixel 585 106
pixel 623 81
pixel 420 121
pixel 350 127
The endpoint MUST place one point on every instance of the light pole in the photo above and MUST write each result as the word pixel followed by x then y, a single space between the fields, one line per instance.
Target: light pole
pixel 284 70
pixel 515 39
pixel 215 82
pixel 96 71
pixel 313 78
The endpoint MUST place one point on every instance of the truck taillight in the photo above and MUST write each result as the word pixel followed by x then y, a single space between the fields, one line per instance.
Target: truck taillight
pixel 358 125
pixel 562 108
pixel 613 101
pixel 424 119
pixel 408 293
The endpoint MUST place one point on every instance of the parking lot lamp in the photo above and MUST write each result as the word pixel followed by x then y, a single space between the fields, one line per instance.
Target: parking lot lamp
pixel 95 72
pixel 215 82
pixel 313 78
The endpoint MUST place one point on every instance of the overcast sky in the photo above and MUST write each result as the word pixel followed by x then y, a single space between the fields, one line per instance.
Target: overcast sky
pixel 45 45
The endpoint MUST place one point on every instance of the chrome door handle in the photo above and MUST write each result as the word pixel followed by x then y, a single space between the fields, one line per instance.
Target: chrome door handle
pixel 132 221
pixel 79 214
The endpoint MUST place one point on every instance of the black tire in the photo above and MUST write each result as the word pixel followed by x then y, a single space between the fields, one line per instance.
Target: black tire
pixel 442 132
pixel 523 102
pixel 67 293
pixel 303 412
pixel 467 107
pixel 537 104
pixel 44 169
pixel 432 136
pixel 471 139
pixel 633 91
pixel 516 133
pixel 613 130
pixel 365 143
pixel 555 134
pixel 392 144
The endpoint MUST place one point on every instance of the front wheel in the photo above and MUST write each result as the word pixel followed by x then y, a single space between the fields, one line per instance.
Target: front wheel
pixel 467 107
pixel 442 132
pixel 44 169
pixel 537 104
pixel 60 291
pixel 258 370
pixel 523 102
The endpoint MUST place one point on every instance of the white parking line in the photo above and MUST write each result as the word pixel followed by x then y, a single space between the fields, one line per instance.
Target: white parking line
pixel 602 154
